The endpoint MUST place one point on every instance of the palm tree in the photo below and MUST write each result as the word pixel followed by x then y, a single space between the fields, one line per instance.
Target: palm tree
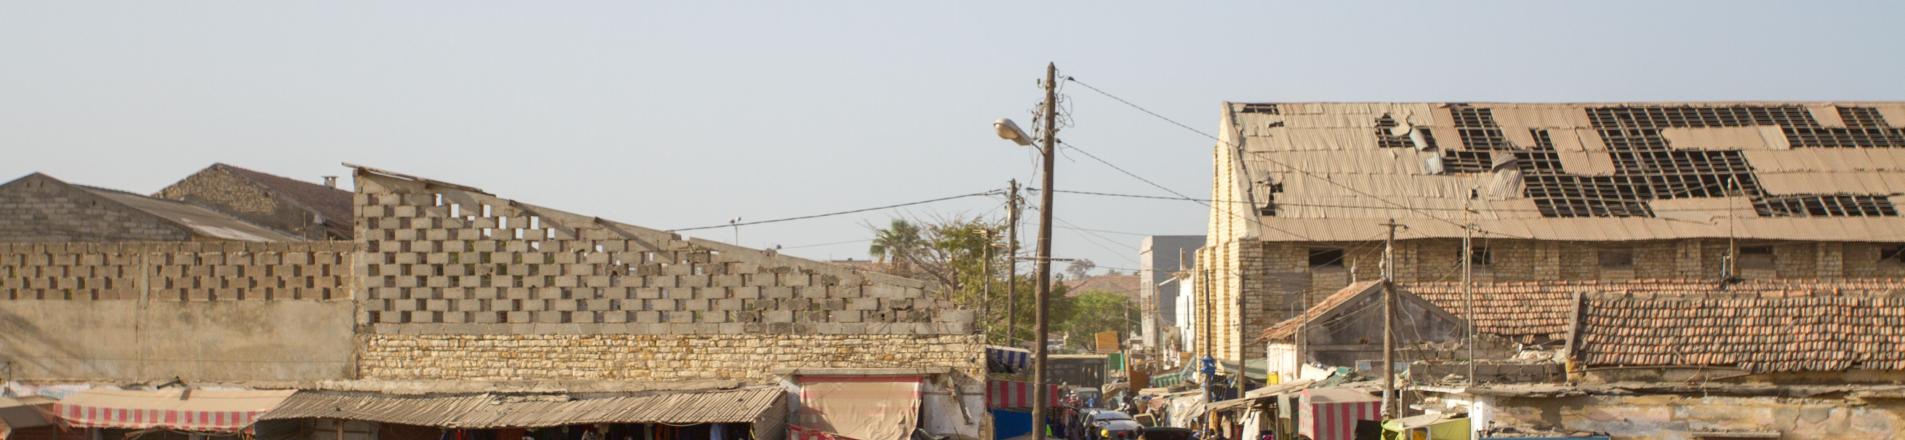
pixel 896 244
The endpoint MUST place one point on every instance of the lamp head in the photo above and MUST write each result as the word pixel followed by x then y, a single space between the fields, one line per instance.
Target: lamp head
pixel 1010 131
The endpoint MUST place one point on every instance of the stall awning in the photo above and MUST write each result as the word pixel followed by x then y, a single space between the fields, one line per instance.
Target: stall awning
pixel 176 409
pixel 487 411
pixel 1007 360
pixel 1015 394
pixel 24 412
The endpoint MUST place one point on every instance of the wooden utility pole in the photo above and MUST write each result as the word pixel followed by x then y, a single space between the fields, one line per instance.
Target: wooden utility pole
pixel 985 266
pixel 1468 286
pixel 1389 410
pixel 1044 262
pixel 1012 262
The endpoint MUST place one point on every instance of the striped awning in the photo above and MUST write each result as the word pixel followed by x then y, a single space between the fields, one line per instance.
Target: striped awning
pixel 1007 360
pixel 1015 394
pixel 175 409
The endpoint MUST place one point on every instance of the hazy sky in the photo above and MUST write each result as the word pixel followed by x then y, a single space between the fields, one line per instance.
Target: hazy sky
pixel 682 114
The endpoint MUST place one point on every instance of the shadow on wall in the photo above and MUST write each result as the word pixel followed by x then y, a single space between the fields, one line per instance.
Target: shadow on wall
pixel 18 331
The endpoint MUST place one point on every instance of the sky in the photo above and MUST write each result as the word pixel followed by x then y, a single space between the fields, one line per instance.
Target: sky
pixel 681 114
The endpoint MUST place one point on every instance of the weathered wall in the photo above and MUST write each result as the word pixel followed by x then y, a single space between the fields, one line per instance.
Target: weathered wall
pixel 176 271
pixel 218 189
pixel 748 358
pixel 37 208
pixel 1282 279
pixel 1676 417
pixel 440 259
pixel 226 341
pixel 460 284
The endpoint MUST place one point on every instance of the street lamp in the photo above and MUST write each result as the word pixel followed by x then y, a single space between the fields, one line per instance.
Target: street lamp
pixel 1010 131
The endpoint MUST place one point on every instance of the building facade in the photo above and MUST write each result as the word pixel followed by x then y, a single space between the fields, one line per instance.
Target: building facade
pixel 1160 257
pixel 1548 192
pixel 448 290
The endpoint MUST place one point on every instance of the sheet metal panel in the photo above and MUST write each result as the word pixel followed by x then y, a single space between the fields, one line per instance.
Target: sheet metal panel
pixel 484 411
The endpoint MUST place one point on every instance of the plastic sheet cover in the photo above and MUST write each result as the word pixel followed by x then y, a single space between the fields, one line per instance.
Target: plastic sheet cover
pixel 860 407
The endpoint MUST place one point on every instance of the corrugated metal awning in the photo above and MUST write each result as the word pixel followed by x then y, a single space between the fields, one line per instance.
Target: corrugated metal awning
pixel 485 411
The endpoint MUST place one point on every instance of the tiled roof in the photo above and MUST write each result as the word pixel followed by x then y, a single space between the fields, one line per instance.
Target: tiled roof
pixel 1755 333
pixel 1570 171
pixel 1287 329
pixel 332 203
pixel 1124 285
pixel 1532 311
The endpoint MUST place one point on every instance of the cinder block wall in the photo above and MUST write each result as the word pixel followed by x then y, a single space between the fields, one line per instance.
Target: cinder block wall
pixel 176 271
pixel 459 284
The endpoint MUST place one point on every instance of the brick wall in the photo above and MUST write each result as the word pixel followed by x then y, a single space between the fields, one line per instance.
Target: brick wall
pixel 37 208
pixel 176 271
pixel 747 358
pixel 219 190
pixel 1279 280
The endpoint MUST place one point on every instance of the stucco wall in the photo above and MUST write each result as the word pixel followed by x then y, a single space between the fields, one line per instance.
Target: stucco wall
pixel 1676 417
pixel 227 341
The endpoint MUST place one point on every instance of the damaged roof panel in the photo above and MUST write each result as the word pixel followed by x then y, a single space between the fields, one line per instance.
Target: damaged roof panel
pixel 1825 164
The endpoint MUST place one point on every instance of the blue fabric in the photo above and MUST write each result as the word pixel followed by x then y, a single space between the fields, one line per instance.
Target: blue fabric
pixel 1009 423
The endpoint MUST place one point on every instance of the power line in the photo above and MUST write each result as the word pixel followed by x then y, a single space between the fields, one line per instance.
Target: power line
pixel 831 214
pixel 1338 205
pixel 1258 220
pixel 1286 166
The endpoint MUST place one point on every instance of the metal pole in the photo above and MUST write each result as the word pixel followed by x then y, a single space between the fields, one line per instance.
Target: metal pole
pixel 1389 410
pixel 1012 263
pixel 1044 263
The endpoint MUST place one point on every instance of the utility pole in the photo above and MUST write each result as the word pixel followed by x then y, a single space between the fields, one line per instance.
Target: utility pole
pixel 1468 285
pixel 1389 410
pixel 985 266
pixel 1044 263
pixel 1012 262
pixel 1209 366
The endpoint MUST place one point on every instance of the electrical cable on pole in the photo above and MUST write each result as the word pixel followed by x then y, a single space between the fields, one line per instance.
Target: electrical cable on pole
pixel 1012 274
pixel 1389 409
pixel 1043 290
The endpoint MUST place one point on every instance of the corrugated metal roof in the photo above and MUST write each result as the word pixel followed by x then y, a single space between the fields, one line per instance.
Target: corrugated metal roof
pixel 200 220
pixel 1572 171
pixel 484 411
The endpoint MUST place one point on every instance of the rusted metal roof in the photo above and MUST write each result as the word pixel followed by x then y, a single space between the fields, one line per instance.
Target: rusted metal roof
pixel 485 411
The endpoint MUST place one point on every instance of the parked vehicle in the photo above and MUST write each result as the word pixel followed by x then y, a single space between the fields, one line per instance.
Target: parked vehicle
pixel 1112 425
pixel 1165 433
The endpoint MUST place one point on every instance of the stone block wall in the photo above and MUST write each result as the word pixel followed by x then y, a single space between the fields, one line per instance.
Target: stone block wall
pixel 176 271
pixel 37 208
pixel 217 189
pixel 443 259
pixel 629 357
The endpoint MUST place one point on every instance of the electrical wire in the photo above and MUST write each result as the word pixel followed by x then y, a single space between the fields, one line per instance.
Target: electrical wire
pixel 837 213
pixel 1286 166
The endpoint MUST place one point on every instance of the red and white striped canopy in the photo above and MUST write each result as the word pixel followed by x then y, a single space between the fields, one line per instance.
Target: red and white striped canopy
pixel 1011 394
pixel 1333 412
pixel 176 409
